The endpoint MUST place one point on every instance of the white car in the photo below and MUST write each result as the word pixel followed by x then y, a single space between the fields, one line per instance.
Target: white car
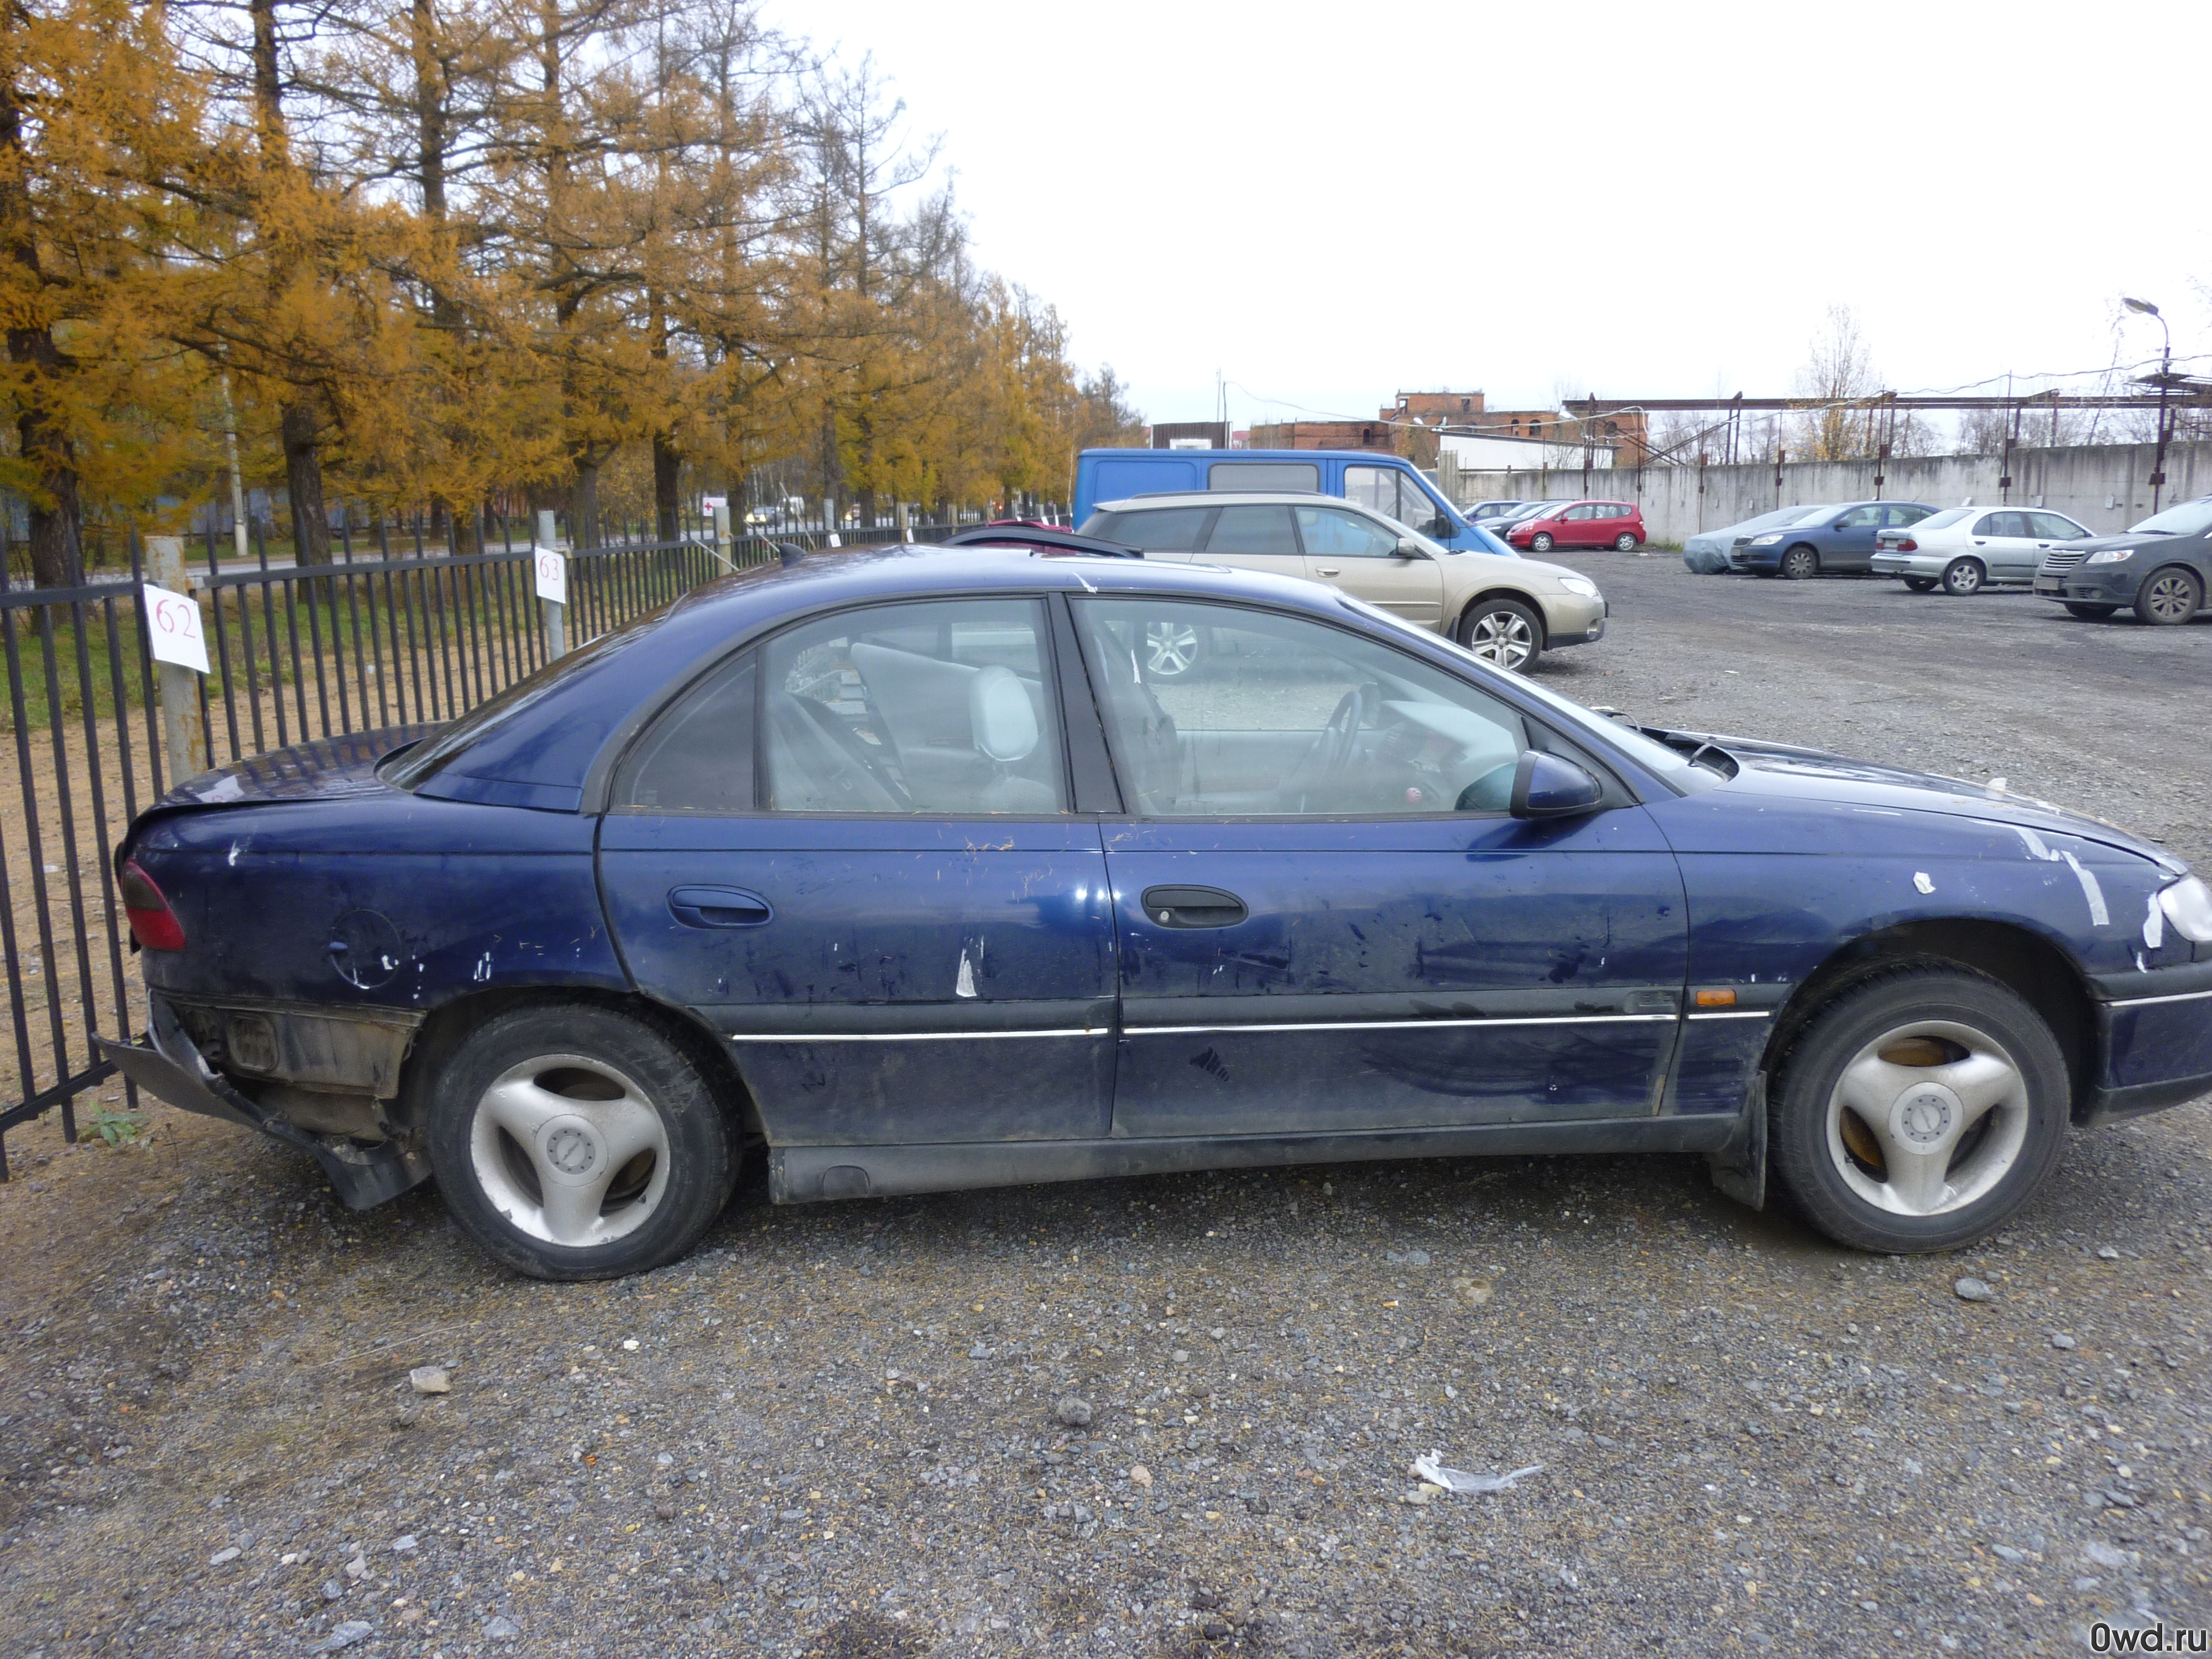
pixel 1964 549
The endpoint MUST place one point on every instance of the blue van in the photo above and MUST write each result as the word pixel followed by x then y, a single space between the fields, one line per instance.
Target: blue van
pixel 1385 483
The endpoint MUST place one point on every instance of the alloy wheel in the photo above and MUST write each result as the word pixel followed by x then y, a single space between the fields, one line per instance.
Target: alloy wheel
pixel 1502 637
pixel 569 1150
pixel 1928 1118
pixel 1171 649
pixel 2170 596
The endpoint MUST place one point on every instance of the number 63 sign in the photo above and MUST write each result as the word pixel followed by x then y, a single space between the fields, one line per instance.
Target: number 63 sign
pixel 172 629
pixel 552 574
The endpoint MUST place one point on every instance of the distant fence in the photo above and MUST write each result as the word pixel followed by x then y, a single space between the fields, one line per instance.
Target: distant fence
pixel 297 652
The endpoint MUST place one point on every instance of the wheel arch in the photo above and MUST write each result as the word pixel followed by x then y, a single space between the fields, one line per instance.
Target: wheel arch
pixel 448 1025
pixel 2023 960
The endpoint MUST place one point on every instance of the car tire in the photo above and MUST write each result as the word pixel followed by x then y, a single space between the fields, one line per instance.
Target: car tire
pixel 1625 542
pixel 2087 611
pixel 1849 1108
pixel 1504 632
pixel 2169 598
pixel 1964 576
pixel 1172 649
pixel 1541 542
pixel 1921 584
pixel 1798 564
pixel 572 1141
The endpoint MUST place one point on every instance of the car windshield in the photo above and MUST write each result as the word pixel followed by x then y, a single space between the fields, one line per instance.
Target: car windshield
pixel 1945 519
pixel 2184 519
pixel 1653 756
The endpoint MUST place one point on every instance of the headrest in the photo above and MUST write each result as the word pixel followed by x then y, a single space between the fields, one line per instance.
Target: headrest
pixel 1001 714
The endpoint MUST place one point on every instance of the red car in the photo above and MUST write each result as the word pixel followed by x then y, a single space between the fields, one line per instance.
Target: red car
pixel 1580 524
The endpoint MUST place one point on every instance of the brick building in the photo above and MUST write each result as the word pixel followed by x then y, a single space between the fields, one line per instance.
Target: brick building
pixel 1409 427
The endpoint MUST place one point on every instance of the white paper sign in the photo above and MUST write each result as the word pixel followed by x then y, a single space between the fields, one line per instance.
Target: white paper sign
pixel 552 574
pixel 710 502
pixel 173 632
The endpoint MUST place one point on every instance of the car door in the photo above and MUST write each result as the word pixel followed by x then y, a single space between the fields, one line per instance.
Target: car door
pixel 1328 919
pixel 1848 543
pixel 850 853
pixel 2002 541
pixel 1358 554
pixel 2046 530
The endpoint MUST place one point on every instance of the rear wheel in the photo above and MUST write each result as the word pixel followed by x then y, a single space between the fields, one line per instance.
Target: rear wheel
pixel 1541 542
pixel 1798 564
pixel 1921 584
pixel 574 1142
pixel 2170 597
pixel 1919 1110
pixel 1503 631
pixel 1964 576
pixel 2088 613
pixel 1625 542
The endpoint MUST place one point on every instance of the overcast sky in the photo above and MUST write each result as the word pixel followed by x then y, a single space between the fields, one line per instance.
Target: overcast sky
pixel 1329 204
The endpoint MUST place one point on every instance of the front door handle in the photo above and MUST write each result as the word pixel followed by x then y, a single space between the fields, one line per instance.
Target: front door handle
pixel 1326 569
pixel 1192 907
pixel 719 906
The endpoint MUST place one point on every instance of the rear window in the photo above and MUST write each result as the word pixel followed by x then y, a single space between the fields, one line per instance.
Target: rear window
pixel 1945 519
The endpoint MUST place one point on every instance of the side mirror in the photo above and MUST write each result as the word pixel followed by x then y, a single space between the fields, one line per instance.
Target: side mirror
pixel 1408 548
pixel 1553 786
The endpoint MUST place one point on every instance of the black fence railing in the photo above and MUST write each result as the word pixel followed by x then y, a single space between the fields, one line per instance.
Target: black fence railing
pixel 296 653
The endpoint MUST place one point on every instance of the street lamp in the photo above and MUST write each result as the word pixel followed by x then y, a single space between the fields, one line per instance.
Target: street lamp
pixel 2145 308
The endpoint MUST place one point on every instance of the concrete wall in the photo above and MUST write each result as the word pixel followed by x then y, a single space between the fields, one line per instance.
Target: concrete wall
pixel 2106 487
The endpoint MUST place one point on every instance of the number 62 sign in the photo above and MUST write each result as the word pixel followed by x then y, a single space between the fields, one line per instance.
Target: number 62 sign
pixel 172 629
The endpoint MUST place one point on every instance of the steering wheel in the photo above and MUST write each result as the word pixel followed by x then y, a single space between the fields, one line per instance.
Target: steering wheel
pixel 1331 753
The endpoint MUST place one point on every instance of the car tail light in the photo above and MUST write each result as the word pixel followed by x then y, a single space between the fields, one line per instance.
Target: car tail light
pixel 153 923
pixel 1908 545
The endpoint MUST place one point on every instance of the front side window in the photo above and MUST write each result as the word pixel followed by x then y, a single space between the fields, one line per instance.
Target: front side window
pixel 1416 510
pixel 943 707
pixel 1161 529
pixel 2055 527
pixel 1255 529
pixel 1283 717
pixel 1331 532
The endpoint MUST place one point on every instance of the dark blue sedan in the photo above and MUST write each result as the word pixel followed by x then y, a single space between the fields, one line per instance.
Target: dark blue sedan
pixel 897 865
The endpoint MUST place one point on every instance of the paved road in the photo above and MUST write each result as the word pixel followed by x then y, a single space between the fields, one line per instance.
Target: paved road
pixel 833 1431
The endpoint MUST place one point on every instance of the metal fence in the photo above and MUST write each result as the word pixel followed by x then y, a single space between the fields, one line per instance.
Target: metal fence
pixel 297 652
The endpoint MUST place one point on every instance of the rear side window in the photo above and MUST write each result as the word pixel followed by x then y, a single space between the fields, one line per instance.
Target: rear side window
pixel 1860 517
pixel 1264 474
pixel 699 756
pixel 1905 516
pixel 1163 529
pixel 1254 529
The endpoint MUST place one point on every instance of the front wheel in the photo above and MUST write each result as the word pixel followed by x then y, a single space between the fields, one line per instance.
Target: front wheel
pixel 1625 542
pixel 1503 631
pixel 574 1142
pixel 1918 1111
pixel 1921 584
pixel 1800 563
pixel 1541 542
pixel 1172 649
pixel 1964 576
pixel 2088 613
pixel 2170 597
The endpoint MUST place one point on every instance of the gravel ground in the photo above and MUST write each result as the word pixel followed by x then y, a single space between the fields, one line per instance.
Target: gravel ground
pixel 840 1431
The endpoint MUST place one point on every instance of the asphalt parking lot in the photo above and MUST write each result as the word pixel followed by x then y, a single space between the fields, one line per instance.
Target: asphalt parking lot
pixel 1176 1415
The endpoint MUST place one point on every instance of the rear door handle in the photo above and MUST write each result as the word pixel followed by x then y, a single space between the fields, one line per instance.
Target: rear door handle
pixel 1326 569
pixel 719 906
pixel 1192 907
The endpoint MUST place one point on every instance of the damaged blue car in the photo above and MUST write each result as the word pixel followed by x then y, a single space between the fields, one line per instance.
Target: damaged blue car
pixel 899 868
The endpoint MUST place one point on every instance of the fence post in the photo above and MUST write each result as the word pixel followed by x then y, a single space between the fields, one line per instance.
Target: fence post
pixel 722 534
pixel 905 523
pixel 557 615
pixel 184 733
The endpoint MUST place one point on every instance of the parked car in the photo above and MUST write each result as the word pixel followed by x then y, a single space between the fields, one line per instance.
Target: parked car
pixel 1381 482
pixel 1578 524
pixel 1508 610
pixel 2162 567
pixel 1482 512
pixel 1838 542
pixel 898 866
pixel 1964 549
pixel 1707 552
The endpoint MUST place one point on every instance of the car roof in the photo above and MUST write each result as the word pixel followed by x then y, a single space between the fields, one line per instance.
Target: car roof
pixel 1215 497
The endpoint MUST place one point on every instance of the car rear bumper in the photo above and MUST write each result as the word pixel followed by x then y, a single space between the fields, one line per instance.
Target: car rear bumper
pixel 1910 564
